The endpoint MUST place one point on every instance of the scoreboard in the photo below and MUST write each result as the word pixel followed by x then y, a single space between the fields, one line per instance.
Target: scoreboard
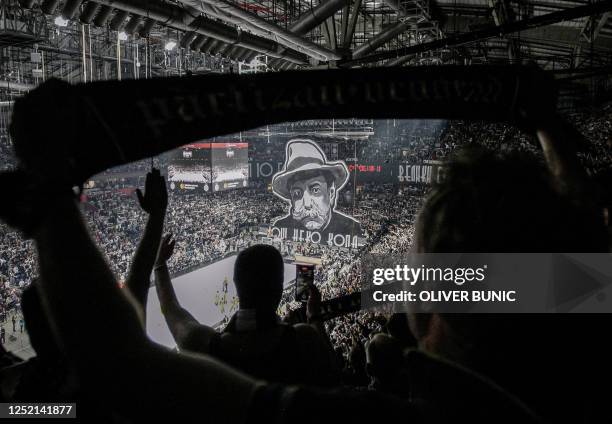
pixel 230 165
pixel 189 168
pixel 206 167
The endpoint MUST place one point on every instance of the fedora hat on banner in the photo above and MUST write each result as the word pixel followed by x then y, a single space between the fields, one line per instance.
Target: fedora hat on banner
pixel 304 156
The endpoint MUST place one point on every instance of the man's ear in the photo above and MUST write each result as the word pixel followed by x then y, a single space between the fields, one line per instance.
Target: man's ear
pixel 419 325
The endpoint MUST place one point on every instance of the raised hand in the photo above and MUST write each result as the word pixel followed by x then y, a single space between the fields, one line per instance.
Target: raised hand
pixel 313 307
pixel 155 198
pixel 154 202
pixel 166 249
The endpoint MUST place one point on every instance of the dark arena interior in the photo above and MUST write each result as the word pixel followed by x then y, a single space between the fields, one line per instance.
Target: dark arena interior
pixel 306 211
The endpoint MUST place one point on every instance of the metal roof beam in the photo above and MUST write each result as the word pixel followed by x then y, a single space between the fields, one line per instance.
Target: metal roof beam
pixel 484 34
pixel 348 36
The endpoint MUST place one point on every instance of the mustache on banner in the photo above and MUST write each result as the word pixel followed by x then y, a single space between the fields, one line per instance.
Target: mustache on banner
pixel 299 214
pixel 72 132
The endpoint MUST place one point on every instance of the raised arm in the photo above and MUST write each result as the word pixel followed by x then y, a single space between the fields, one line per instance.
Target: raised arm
pixel 98 325
pixel 188 333
pixel 329 370
pixel 313 313
pixel 154 201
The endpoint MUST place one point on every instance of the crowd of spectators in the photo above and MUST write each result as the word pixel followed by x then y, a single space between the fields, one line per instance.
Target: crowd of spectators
pixel 497 136
pixel 415 141
pixel 597 130
pixel 206 227
pixel 490 369
pixel 212 226
pixel 11 297
pixel 17 267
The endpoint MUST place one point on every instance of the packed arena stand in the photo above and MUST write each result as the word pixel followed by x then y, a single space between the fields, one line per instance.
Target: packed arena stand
pixel 300 212
pixel 116 221
pixel 461 352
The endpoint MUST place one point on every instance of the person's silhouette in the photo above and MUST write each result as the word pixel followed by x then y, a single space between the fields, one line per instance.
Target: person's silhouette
pixel 254 340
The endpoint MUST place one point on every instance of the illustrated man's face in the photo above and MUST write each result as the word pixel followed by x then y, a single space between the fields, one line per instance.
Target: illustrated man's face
pixel 311 201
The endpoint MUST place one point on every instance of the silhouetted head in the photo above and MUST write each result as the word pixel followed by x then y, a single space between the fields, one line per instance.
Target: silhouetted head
pixel 259 275
pixel 357 358
pixel 490 203
pixel 384 358
pixel 497 204
pixel 397 327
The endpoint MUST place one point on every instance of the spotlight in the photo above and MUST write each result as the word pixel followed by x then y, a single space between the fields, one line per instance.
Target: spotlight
pixel 170 45
pixel 61 22
pixel 123 36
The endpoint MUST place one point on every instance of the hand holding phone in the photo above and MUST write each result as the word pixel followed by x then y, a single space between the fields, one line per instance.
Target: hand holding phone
pixel 304 279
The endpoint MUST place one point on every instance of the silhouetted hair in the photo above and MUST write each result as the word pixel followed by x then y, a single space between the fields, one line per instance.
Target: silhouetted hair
pixel 397 327
pixel 259 276
pixel 384 356
pixel 491 203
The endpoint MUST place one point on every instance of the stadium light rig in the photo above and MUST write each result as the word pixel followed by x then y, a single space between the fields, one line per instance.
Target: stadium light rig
pixel 61 22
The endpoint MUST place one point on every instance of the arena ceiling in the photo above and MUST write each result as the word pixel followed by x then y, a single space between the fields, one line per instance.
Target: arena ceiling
pixel 100 39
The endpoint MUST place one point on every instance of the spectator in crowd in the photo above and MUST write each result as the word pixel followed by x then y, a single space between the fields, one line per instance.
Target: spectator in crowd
pixel 254 340
pixel 397 327
pixel 355 372
pixel 46 377
pixel 384 365
pixel 485 206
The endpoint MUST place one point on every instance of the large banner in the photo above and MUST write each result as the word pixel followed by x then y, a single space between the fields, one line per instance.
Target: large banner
pixel 160 114
pixel 264 169
pixel 428 172
pixel 363 171
pixel 311 185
